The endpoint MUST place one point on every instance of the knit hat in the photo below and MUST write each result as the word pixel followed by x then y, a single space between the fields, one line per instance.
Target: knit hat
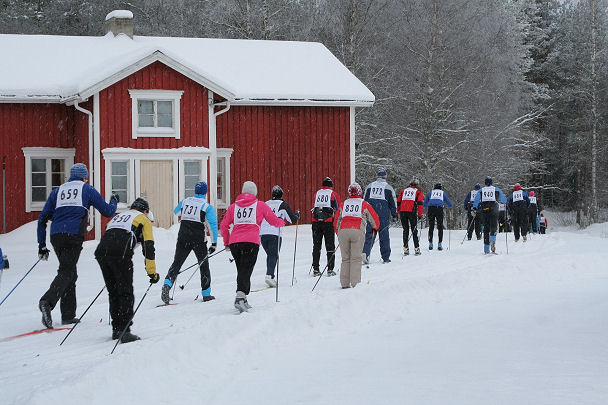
pixel 327 182
pixel 516 187
pixel 354 190
pixel 531 193
pixel 200 188
pixel 250 187
pixel 381 173
pixel 415 182
pixel 477 186
pixel 437 186
pixel 488 181
pixel 79 171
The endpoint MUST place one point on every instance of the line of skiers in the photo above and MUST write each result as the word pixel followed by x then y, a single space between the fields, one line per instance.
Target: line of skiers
pixel 247 223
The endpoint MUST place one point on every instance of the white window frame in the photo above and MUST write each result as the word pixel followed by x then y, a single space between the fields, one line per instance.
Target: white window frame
pixel 123 205
pixel 182 173
pixel 224 153
pixel 155 95
pixel 30 153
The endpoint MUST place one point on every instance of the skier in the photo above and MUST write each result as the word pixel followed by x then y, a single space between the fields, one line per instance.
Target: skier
pixel 270 235
pixel 115 257
pixel 518 209
pixel 471 218
pixel 533 211
pixel 381 196
pixel 487 199
pixel 246 215
pixel 67 208
pixel 410 210
pixel 354 216
pixel 3 261
pixel 194 212
pixel 543 224
pixel 434 200
pixel 326 204
pixel 502 218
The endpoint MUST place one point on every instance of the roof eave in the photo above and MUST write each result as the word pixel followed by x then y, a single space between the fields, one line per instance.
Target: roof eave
pixel 301 102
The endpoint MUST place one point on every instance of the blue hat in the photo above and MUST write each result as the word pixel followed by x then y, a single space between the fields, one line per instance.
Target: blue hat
pixel 79 171
pixel 200 188
pixel 381 173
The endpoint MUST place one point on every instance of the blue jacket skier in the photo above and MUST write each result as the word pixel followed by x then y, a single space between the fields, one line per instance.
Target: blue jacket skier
pixel 3 261
pixel 472 220
pixel 487 200
pixel 381 196
pixel 194 211
pixel 434 202
pixel 68 207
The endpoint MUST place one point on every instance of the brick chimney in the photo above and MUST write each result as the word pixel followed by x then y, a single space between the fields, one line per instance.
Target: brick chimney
pixel 120 22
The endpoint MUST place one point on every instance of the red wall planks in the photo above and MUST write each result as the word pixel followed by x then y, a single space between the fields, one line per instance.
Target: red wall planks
pixel 295 147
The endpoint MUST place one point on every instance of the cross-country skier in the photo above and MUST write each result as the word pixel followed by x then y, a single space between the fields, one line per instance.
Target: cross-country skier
pixel 472 220
pixel 487 200
pixel 325 205
pixel 434 200
pixel 67 207
pixel 115 257
pixel 518 209
pixel 354 215
pixel 503 223
pixel 410 210
pixel 194 211
pixel 543 224
pixel 3 261
pixel 246 215
pixel 269 235
pixel 381 196
pixel 533 211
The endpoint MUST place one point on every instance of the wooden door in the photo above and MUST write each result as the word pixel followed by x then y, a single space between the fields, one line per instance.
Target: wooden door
pixel 156 185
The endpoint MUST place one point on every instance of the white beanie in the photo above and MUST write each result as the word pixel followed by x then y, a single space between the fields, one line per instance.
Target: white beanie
pixel 250 187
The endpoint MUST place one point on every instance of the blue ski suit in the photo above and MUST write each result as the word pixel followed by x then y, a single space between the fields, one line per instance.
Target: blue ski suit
pixel 381 196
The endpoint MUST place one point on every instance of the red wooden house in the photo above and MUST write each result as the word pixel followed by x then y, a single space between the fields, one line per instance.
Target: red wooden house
pixel 152 116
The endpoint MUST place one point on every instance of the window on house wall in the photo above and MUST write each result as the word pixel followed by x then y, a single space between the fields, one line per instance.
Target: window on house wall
pixel 192 175
pixel 155 113
pixel 221 181
pixel 120 179
pixel 45 170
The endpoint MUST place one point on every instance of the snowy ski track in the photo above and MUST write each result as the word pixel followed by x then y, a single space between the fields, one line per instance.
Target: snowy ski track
pixel 450 327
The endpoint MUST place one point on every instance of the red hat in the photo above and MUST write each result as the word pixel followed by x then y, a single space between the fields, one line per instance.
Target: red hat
pixel 531 193
pixel 354 190
pixel 516 187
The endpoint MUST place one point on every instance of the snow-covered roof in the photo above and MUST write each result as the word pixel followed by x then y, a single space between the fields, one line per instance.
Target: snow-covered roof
pixel 45 68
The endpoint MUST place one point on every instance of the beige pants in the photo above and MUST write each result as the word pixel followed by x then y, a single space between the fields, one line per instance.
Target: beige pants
pixel 351 246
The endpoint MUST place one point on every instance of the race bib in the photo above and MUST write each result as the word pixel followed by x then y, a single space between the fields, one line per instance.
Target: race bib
pixel 488 194
pixel 323 198
pixel 532 200
pixel 352 207
pixel 275 206
pixel 501 207
pixel 473 194
pixel 409 194
pixel 437 195
pixel 376 190
pixel 518 195
pixel 245 215
pixel 123 221
pixel 191 209
pixel 70 194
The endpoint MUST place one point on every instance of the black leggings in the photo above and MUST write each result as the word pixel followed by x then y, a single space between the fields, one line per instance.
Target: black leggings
pixel 409 220
pixel 118 275
pixel 322 230
pixel 435 213
pixel 245 255
pixel 182 250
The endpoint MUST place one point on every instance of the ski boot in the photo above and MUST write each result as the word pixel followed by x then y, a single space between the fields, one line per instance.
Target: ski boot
pixel 430 245
pixel 316 272
pixel 525 238
pixel 493 247
pixel 331 273
pixel 45 308
pixel 240 302
pixel 365 258
pixel 128 337
pixel 417 251
pixel 164 295
pixel 406 251
pixel 270 281
pixel 70 321
pixel 439 247
pixel 386 261
pixel 516 240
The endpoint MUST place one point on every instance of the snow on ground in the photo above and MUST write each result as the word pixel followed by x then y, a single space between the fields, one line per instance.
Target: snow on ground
pixel 451 327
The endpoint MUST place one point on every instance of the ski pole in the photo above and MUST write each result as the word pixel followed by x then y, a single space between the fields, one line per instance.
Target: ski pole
pixel 278 257
pixel 468 229
pixel 19 282
pixel 130 320
pixel 198 265
pixel 83 314
pixel 295 245
pixel 325 268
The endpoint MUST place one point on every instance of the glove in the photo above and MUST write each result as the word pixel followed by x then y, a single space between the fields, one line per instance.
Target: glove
pixel 395 218
pixel 43 253
pixel 116 197
pixel 298 214
pixel 154 278
pixel 212 248
pixel 5 259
